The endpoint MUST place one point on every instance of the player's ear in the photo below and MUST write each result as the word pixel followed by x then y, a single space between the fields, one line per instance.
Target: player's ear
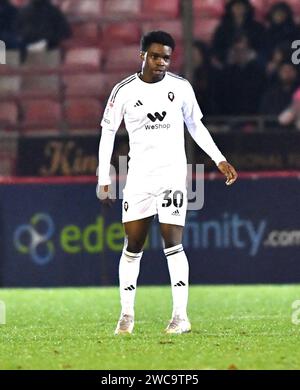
pixel 142 55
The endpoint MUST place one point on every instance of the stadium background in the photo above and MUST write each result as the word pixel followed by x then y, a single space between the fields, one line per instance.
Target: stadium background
pixel 53 232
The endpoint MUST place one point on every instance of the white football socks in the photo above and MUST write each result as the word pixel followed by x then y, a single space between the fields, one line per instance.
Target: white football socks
pixel 179 275
pixel 129 268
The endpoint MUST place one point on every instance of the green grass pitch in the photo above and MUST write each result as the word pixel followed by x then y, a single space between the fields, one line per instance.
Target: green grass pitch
pixel 233 327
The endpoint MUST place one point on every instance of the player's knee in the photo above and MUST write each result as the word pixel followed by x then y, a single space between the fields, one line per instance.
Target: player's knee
pixel 172 242
pixel 135 246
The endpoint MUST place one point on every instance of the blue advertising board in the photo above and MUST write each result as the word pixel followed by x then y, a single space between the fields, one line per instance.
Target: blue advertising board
pixel 60 235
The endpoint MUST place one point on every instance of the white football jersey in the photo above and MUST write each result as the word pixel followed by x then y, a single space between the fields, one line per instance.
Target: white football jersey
pixel 154 115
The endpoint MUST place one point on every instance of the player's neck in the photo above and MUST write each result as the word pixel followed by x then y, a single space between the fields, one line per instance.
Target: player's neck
pixel 148 78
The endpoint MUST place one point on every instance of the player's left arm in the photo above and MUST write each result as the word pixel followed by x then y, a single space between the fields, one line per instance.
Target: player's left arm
pixel 192 117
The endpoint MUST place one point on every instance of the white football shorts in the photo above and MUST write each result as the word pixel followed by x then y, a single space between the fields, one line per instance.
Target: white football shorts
pixel 168 203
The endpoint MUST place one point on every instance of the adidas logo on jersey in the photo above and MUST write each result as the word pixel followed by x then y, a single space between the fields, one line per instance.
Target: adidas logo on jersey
pixel 138 103
pixel 176 212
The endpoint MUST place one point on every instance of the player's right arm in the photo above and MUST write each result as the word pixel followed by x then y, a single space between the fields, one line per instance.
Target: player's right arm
pixel 110 124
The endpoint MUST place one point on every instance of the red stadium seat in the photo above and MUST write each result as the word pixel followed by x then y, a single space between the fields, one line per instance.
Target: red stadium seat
pixel 80 8
pixel 160 9
pixel 123 58
pixel 12 58
pixel 116 8
pixel 174 27
pixel 84 33
pixel 8 115
pixel 205 28
pixel 85 57
pixel 43 59
pixel 9 85
pixel 40 86
pixel 208 8
pixel 87 84
pixel 82 113
pixel 118 34
pixel 40 114
pixel 111 79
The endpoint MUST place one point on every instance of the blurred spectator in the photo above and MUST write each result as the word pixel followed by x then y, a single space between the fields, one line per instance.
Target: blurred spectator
pixel 40 21
pixel 281 28
pixel 291 116
pixel 238 19
pixel 8 16
pixel 281 53
pixel 206 79
pixel 279 96
pixel 19 3
pixel 243 80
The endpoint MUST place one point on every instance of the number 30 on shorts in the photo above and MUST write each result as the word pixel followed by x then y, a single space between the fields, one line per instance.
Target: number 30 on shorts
pixel 176 198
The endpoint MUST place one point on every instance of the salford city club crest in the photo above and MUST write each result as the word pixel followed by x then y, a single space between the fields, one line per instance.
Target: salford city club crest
pixel 171 96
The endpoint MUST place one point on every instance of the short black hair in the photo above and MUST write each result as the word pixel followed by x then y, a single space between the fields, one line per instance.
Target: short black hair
pixel 158 36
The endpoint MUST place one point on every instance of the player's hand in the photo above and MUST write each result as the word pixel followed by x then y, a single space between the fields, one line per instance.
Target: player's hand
pixel 228 170
pixel 104 195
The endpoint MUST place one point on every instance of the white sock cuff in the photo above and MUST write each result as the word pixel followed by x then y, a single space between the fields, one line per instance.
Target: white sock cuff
pixel 173 250
pixel 132 256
